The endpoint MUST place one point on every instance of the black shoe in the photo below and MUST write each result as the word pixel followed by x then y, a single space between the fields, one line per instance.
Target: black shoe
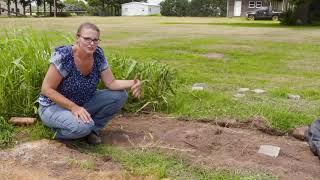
pixel 94 139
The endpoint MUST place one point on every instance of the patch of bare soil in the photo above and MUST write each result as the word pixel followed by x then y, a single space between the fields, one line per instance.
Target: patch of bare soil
pixel 220 145
pixel 216 147
pixel 47 159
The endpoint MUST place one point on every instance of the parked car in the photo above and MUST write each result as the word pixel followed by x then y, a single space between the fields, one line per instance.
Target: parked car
pixel 263 13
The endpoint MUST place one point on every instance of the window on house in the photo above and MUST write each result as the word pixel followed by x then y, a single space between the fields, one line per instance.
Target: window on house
pixel 2 10
pixel 12 9
pixel 251 4
pixel 125 9
pixel 18 10
pixel 142 9
pixel 258 4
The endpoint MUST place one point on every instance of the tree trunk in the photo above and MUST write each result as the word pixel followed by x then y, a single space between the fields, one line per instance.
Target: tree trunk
pixel 30 10
pixel 103 9
pixel 50 8
pixel 8 7
pixel 16 6
pixel 24 10
pixel 55 8
pixel 44 7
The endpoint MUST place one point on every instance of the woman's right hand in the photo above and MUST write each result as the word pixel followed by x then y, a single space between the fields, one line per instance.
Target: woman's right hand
pixel 81 113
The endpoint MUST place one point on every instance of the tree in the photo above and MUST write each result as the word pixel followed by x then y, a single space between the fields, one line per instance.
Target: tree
pixel 30 7
pixel 24 4
pixel 44 7
pixel 60 5
pixel 16 6
pixel 174 8
pixel 301 13
pixel 315 11
pixel 106 7
pixel 206 8
pixel 202 8
pixel 38 3
pixel 50 2
pixel 75 5
pixel 98 6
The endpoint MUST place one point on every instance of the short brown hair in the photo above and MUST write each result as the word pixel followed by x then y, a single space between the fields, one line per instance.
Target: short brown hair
pixel 88 25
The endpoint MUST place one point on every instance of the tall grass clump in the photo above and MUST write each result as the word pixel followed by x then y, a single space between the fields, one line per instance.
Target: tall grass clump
pixel 23 64
pixel 6 131
pixel 158 82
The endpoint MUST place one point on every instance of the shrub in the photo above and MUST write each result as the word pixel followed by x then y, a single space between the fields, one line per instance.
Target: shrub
pixel 158 82
pixel 288 17
pixel 6 131
pixel 23 64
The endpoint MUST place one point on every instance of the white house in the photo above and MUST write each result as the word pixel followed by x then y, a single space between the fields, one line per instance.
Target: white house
pixel 139 9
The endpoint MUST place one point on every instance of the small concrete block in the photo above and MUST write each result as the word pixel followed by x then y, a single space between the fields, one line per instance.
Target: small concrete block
pixel 242 90
pixel 239 95
pixel 199 86
pixel 293 96
pixel 269 150
pixel 259 91
pixel 214 55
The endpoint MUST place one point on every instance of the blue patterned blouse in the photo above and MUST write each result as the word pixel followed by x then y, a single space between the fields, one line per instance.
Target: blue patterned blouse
pixel 75 86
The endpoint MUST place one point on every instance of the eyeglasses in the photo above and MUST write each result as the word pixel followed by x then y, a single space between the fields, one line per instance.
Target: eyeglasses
pixel 89 40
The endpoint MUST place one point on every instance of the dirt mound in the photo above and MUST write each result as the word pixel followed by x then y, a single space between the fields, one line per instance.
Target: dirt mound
pixel 232 146
pixel 214 146
pixel 52 160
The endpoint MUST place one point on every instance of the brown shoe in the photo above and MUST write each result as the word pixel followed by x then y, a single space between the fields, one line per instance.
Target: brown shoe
pixel 67 143
pixel 94 139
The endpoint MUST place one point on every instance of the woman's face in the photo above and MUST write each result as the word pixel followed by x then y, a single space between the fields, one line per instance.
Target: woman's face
pixel 88 40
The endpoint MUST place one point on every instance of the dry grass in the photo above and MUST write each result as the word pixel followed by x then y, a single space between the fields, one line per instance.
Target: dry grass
pixel 148 28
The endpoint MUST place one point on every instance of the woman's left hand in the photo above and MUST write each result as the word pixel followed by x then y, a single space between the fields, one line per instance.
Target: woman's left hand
pixel 136 88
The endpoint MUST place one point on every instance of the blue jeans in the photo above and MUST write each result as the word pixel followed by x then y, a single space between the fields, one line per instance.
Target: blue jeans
pixel 102 106
pixel 313 137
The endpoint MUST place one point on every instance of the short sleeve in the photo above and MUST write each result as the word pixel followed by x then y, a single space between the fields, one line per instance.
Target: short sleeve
pixel 103 65
pixel 56 59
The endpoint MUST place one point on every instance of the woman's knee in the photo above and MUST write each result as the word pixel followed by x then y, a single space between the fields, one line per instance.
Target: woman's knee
pixel 119 97
pixel 80 129
pixel 123 96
